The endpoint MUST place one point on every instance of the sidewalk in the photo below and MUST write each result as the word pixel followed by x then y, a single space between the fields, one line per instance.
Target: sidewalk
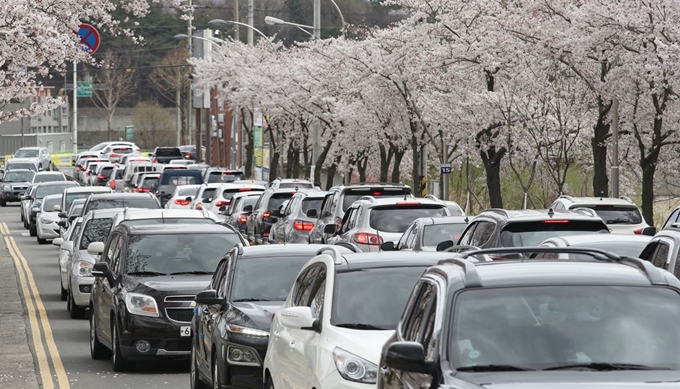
pixel 17 370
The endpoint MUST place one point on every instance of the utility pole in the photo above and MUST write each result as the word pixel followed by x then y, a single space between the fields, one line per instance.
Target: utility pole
pixel 75 107
pixel 250 21
pixel 237 35
pixel 178 114
pixel 615 143
pixel 316 124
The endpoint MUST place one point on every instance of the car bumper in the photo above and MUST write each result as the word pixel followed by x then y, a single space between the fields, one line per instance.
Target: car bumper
pixel 80 290
pixel 160 332
pixel 245 376
pixel 48 231
pixel 12 195
pixel 335 381
pixel 299 237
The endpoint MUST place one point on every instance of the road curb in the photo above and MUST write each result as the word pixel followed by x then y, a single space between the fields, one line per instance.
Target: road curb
pixel 17 367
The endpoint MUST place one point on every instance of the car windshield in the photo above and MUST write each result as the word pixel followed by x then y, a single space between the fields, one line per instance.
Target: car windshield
pixel 534 233
pixel 149 182
pixel 19 165
pixel 372 298
pixel 184 192
pixel 96 230
pixel 311 203
pixel 181 180
pixel 178 253
pixel 147 203
pixel 166 220
pixel 51 177
pixel 277 200
pixel 616 215
pixel 437 233
pixel 293 185
pixel 100 146
pixel 76 209
pixel 229 193
pixel 353 195
pixel 26 153
pixel 224 176
pixel 48 204
pixel 47 190
pixel 398 218
pixel 106 171
pixel 558 326
pixel 71 197
pixel 208 193
pixel 18 176
pixel 267 278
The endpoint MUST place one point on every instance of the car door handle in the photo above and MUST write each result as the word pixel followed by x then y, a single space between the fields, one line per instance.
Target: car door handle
pixel 292 344
pixel 206 311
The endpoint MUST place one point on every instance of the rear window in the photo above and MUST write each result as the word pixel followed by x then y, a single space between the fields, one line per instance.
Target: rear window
pixel 150 182
pixel 177 180
pixel 48 177
pixel 616 215
pixel 147 203
pixel 229 193
pixel 398 218
pixel 353 195
pixel 187 192
pixel 15 166
pixel 122 150
pixel 208 193
pixel 293 185
pixel 170 152
pixel 43 191
pixel 437 233
pixel 308 204
pixel 106 171
pixel 224 176
pixel 534 233
pixel 276 200
pixel 96 230
pixel 119 174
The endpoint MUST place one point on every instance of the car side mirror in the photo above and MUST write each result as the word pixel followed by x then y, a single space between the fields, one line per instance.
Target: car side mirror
pixel 101 269
pixel 408 356
pixel 248 208
pixel 209 297
pixel 95 248
pixel 649 231
pixel 445 245
pixel 72 218
pixel 57 208
pixel 57 241
pixel 299 318
pixel 329 229
pixel 223 208
pixel 61 223
pixel 276 213
pixel 387 246
pixel 62 215
pixel 312 213
pixel 189 199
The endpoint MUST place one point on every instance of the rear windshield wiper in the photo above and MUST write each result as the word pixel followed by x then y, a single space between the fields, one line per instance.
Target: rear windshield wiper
pixel 248 300
pixel 192 272
pixel 146 273
pixel 359 326
pixel 484 368
pixel 603 366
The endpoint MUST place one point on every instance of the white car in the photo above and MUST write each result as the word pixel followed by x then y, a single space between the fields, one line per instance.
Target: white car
pixel 205 195
pixel 330 331
pixel 47 219
pixel 137 216
pixel 621 215
pixel 183 162
pixel 41 177
pixel 224 193
pixel 65 244
pixel 38 155
pixel 182 197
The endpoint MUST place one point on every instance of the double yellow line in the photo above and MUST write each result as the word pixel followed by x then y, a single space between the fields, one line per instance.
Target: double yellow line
pixel 37 316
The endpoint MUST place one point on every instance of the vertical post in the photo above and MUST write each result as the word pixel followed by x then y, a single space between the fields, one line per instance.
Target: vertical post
pixel 22 121
pixel 237 35
pixel 317 19
pixel 250 21
pixel 316 125
pixel 208 138
pixel 190 102
pixel 445 177
pixel 199 143
pixel 75 107
pixel 615 148
pixel 423 170
pixel 178 114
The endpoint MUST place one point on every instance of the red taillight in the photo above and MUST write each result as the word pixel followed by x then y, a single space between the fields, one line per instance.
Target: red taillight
pixel 408 203
pixel 144 190
pixel 245 189
pixel 369 239
pixel 222 203
pixel 377 193
pixel 638 231
pixel 188 155
pixel 181 202
pixel 556 221
pixel 114 155
pixel 102 177
pixel 155 159
pixel 134 189
pixel 199 206
pixel 266 214
pixel 243 219
pixel 265 235
pixel 112 184
pixel 303 225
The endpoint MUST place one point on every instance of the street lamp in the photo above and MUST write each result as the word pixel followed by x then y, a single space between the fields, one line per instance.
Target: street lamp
pixel 227 22
pixel 270 20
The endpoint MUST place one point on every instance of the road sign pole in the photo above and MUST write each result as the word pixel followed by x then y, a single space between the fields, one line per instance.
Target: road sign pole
pixel 75 107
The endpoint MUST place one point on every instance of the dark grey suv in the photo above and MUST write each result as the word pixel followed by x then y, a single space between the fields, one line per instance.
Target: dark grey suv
pixel 600 321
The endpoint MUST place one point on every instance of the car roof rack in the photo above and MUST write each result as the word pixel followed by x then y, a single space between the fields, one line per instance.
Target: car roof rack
pixel 431 197
pixel 376 183
pixel 337 255
pixel 472 279
pixel 650 271
pixel 563 196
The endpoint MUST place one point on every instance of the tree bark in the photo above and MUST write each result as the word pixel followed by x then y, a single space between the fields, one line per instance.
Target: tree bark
pixel 296 163
pixel 289 161
pixel 415 172
pixel 319 162
pixel 648 191
pixel 109 119
pixel 599 145
pixel 492 165
pixel 250 145
pixel 362 166
pixel 385 159
pixel 331 172
pixel 396 169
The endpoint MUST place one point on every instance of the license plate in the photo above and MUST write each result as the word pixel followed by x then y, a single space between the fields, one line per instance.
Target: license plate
pixel 185 331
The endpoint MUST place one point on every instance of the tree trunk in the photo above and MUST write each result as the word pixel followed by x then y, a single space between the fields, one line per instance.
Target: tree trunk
pixel 307 159
pixel 274 165
pixel 289 161
pixel 109 119
pixel 599 145
pixel 396 169
pixel 331 173
pixel 250 153
pixel 362 166
pixel 492 165
pixel 415 172
pixel 648 191
pixel 320 161
pixel 385 159
pixel 296 163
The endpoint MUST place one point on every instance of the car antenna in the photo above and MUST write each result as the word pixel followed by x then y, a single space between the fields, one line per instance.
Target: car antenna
pixel 467 219
pixel 551 212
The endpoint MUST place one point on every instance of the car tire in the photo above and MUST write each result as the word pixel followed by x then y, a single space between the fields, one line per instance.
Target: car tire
pixel 41 241
pixel 3 203
pixel 75 312
pixel 120 363
pixel 32 230
pixel 216 374
pixel 22 218
pixel 269 384
pixel 97 350
pixel 64 293
pixel 194 376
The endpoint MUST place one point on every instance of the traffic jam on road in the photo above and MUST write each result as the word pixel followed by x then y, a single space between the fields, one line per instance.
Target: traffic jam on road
pixel 283 285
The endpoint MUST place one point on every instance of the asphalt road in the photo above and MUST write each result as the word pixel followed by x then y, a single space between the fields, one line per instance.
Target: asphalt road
pixel 71 336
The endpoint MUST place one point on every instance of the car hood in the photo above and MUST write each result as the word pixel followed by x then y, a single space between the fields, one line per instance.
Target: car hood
pixel 573 379
pixel 50 215
pixel 26 159
pixel 12 183
pixel 649 384
pixel 254 315
pixel 179 284
pixel 364 343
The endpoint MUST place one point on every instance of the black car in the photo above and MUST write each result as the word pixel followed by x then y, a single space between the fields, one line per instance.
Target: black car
pixel 146 281
pixel 14 185
pixel 599 320
pixel 260 220
pixel 42 190
pixel 232 319
pixel 166 154
pixel 120 200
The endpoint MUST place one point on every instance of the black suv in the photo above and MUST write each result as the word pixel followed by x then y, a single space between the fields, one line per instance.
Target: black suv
pixel 599 321
pixel 234 313
pixel 503 228
pixel 166 154
pixel 146 281
pixel 260 221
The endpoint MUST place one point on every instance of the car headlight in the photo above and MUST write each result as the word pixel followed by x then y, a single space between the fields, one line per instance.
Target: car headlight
pixel 6 187
pixel 45 220
pixel 141 304
pixel 354 368
pixel 247 331
pixel 85 269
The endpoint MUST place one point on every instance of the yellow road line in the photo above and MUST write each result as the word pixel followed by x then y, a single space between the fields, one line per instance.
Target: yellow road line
pixel 62 378
pixel 3 229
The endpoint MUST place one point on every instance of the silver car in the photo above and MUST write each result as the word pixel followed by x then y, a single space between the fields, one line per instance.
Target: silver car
pixel 65 253
pixel 47 219
pixel 95 228
pixel 297 219
pixel 38 155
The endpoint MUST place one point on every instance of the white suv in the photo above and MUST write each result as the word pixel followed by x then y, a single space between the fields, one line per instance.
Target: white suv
pixel 621 215
pixel 341 310
pixel 369 221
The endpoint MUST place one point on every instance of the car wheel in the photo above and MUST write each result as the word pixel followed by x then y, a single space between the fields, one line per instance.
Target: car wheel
pixel 64 292
pixel 32 230
pixel 194 375
pixel 3 203
pixel 216 374
pixel 120 363
pixel 269 384
pixel 41 241
pixel 22 218
pixel 25 224
pixel 75 312
pixel 97 350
